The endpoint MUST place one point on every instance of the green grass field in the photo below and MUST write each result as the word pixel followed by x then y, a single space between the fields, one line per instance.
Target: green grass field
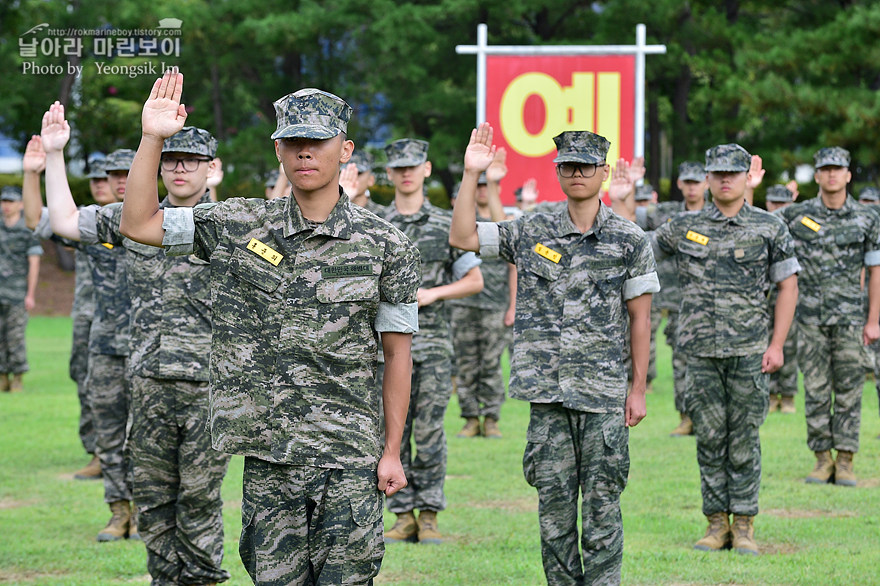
pixel 808 534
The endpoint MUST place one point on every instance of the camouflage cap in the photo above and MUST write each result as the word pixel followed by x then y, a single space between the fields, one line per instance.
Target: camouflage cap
pixel 192 140
pixel 483 180
pixel 10 193
pixel 311 113
pixel 869 194
pixel 644 192
pixel 97 169
pixel 580 146
pixel 779 194
pixel 406 152
pixel 831 156
pixel 691 171
pixel 119 160
pixel 728 157
pixel 363 160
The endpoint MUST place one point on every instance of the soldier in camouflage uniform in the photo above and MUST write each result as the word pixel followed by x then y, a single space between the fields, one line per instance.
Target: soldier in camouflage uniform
pixel 302 287
pixel 446 274
pixel 835 238
pixel 20 253
pixel 869 195
pixel 481 330
pixel 729 254
pixel 581 273
pixel 783 382
pixel 107 379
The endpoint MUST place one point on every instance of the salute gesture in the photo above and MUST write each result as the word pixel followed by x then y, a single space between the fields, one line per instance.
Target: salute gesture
pixel 56 130
pixel 480 151
pixel 163 114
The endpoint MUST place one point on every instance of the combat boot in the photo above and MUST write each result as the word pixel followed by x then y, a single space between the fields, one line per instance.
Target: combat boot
pixel 774 404
pixel 117 528
pixel 92 470
pixel 15 386
pixel 4 382
pixel 843 469
pixel 824 470
pixel 428 528
pixel 404 529
pixel 471 428
pixel 685 427
pixel 787 405
pixel 743 531
pixel 490 428
pixel 133 524
pixel 717 533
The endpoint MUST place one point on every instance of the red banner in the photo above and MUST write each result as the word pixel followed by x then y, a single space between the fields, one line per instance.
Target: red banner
pixel 529 100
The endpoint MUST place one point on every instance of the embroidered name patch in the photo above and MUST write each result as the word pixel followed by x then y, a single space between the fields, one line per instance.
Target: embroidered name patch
pixel 697 237
pixel 812 225
pixel 346 271
pixel 548 253
pixel 107 245
pixel 264 251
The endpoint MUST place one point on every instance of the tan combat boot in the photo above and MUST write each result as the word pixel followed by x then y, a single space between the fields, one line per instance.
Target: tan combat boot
pixel 404 529
pixel 15 386
pixel 824 470
pixel 774 403
pixel 4 382
pixel 743 530
pixel 117 528
pixel 133 524
pixel 490 428
pixel 428 528
pixel 717 533
pixel 92 470
pixel 685 427
pixel 471 428
pixel 843 469
pixel 788 405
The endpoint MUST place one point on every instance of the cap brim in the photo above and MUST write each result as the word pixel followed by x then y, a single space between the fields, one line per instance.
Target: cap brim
pixel 187 151
pixel 843 164
pixel 306 131
pixel 692 177
pixel 726 169
pixel 406 162
pixel 578 158
pixel 96 176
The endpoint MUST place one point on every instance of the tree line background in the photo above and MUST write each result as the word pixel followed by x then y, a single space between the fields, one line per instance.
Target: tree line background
pixel 782 78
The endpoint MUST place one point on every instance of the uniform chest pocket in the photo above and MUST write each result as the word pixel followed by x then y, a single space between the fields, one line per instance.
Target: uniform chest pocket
pixel 692 258
pixel 348 289
pixel 609 280
pixel 544 268
pixel 800 231
pixel 252 270
pixel 755 253
pixel 139 249
pixel 848 237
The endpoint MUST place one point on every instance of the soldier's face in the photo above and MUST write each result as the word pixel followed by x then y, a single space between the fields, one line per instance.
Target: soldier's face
pixel 409 180
pixel 117 180
pixel 581 188
pixel 832 178
pixel 11 208
pixel 482 194
pixel 312 164
pixel 100 189
pixel 728 186
pixel 692 190
pixel 182 184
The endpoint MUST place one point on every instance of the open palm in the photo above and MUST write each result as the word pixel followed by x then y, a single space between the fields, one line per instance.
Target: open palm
pixel 56 131
pixel 163 114
pixel 480 150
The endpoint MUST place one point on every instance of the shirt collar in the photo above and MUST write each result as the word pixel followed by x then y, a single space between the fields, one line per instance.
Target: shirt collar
pixel 421 214
pixel 166 203
pixel 567 227
pixel 741 218
pixel 337 224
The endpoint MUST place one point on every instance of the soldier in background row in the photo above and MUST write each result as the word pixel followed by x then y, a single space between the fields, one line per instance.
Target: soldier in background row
pixel 20 253
pixel 835 239
pixel 584 274
pixel 728 255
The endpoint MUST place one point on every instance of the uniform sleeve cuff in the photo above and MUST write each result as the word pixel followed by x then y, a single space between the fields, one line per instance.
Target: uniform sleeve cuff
pixel 88 225
pixel 402 318
pixel 180 231
pixel 638 286
pixel 465 262
pixel 489 240
pixel 784 269
pixel 872 259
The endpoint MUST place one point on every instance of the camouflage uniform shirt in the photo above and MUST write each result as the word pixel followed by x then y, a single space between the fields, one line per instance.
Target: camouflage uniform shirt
pixel 296 308
pixel 649 219
pixel 495 295
pixel 170 301
pixel 17 243
pixel 725 268
pixel 833 246
pixel 571 315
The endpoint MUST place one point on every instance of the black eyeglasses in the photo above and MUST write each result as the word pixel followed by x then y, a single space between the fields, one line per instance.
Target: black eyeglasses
pixel 189 165
pixel 586 170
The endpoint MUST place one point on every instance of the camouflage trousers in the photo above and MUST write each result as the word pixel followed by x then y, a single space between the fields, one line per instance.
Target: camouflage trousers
pixel 785 380
pixel 304 525
pixel 570 454
pixel 679 364
pixel 479 337
pixel 423 447
pixel 176 481
pixel 13 352
pixel 109 393
pixel 79 370
pixel 832 359
pixel 727 399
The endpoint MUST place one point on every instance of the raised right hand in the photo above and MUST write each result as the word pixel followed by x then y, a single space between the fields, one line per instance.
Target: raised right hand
pixel 163 115
pixel 56 130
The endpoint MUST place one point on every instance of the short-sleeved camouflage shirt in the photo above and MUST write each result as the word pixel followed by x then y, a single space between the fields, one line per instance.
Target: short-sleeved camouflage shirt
pixel 572 322
pixel 294 347
pixel 17 243
pixel 725 268
pixel 653 217
pixel 495 295
pixel 832 247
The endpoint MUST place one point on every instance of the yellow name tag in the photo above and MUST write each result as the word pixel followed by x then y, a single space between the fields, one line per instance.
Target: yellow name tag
pixel 810 224
pixel 548 253
pixel 107 245
pixel 697 237
pixel 264 251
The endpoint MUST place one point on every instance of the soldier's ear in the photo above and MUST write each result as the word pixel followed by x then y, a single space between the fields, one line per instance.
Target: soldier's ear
pixel 427 169
pixel 277 152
